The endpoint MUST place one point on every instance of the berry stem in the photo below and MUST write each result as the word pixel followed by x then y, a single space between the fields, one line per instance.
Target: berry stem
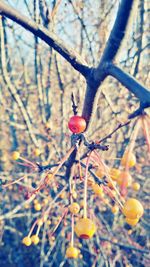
pixel 146 131
pixel 72 230
pixel 132 143
pixel 14 182
pixel 110 180
pixel 85 186
pixel 38 230
pixel 32 228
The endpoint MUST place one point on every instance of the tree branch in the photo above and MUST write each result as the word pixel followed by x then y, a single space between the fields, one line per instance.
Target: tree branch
pixel 131 84
pixel 48 37
pixel 98 74
pixel 118 31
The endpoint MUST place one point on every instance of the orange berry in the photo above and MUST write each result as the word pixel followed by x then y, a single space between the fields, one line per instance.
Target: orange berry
pixel 100 172
pixel 111 184
pixel 72 252
pixel 85 228
pixel 131 222
pixel 74 208
pixel 90 181
pixel 98 190
pixel 133 209
pixel 15 155
pixel 115 209
pixel 114 174
pixel 35 239
pixel 136 186
pixel 27 241
pixel 124 178
pixel 128 160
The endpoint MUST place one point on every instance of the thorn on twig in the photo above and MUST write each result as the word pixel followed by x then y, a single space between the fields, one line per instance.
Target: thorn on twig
pixel 74 106
pixel 115 130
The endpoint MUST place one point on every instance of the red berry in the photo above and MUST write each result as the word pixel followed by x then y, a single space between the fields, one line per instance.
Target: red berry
pixel 77 124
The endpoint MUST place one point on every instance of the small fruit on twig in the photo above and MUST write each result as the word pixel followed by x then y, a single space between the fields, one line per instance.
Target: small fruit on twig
pixel 72 252
pixel 15 155
pixel 37 152
pixel 27 241
pixel 124 179
pixel 35 239
pixel 115 209
pixel 98 190
pixel 136 186
pixel 132 222
pixel 128 160
pixel 85 228
pixel 133 209
pixel 114 174
pixel 74 208
pixel 77 124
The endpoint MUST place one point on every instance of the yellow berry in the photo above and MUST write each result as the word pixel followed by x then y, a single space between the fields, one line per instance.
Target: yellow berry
pixel 133 209
pixel 49 176
pixel 37 152
pixel 98 190
pixel 62 195
pixel 132 222
pixel 35 239
pixel 74 194
pixel 47 125
pixel 40 222
pixel 128 160
pixel 114 174
pixel 130 232
pixel 82 203
pixel 15 155
pixel 37 206
pixel 45 201
pixel 85 228
pixel 115 209
pixel 27 241
pixel 48 222
pixel 74 208
pixel 124 179
pixel 136 186
pixel 53 238
pixel 72 252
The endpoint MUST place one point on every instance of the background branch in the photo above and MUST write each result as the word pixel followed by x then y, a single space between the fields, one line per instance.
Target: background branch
pixel 48 37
